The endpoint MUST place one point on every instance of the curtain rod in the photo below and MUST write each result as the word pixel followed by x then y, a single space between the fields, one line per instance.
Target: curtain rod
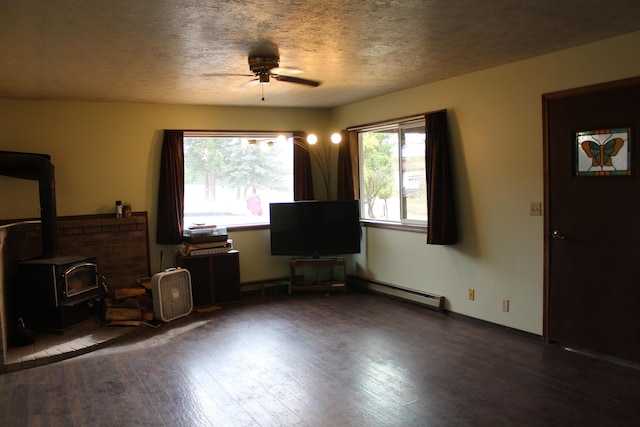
pixel 237 133
pixel 394 121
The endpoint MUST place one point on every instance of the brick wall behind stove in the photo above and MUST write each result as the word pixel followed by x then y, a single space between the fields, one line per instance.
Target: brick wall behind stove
pixel 120 244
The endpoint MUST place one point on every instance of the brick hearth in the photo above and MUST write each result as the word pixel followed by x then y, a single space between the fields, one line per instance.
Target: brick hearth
pixel 120 244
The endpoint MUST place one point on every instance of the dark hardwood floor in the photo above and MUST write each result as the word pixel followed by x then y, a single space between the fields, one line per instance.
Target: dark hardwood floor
pixel 316 360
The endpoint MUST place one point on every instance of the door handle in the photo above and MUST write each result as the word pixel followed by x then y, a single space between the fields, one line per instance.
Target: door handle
pixel 558 235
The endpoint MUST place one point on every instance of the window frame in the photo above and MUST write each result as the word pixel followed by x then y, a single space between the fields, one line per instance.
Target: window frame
pixel 289 135
pixel 399 124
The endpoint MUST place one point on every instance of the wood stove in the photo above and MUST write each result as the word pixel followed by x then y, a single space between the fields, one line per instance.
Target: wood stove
pixel 58 293
pixel 52 292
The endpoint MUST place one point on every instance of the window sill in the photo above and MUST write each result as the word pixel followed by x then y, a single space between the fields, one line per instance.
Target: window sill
pixel 247 227
pixel 414 228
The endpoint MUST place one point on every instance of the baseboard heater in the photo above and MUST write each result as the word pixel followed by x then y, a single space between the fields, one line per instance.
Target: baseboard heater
pixel 433 301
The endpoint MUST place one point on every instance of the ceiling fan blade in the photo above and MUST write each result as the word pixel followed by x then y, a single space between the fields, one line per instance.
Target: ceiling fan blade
pixel 226 75
pixel 285 70
pixel 298 80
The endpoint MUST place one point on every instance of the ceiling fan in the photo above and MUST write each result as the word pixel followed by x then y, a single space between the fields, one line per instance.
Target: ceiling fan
pixel 267 67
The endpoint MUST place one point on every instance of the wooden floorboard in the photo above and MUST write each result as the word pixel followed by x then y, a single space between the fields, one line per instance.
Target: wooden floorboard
pixel 316 360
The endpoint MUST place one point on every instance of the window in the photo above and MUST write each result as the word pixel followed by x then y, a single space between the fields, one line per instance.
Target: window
pixel 392 172
pixel 230 178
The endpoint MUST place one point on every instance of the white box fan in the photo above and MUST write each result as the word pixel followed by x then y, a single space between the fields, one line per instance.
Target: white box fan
pixel 171 291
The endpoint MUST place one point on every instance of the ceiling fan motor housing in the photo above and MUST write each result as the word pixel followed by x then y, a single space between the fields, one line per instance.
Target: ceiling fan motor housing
pixel 261 66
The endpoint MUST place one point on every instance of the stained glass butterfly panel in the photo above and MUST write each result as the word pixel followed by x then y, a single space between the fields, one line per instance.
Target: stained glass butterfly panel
pixel 603 152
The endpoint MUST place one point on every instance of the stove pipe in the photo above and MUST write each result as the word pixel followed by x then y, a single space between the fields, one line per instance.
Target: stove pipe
pixel 37 167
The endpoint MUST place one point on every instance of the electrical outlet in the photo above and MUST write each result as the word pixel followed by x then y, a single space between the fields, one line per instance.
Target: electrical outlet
pixel 472 294
pixel 505 305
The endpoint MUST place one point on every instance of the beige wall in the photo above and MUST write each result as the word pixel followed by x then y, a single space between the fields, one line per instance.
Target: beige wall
pixel 495 119
pixel 105 151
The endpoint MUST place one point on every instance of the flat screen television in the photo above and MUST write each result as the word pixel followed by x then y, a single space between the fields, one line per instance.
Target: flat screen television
pixel 315 228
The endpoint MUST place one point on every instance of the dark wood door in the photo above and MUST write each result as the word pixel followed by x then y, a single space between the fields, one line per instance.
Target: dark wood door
pixel 593 222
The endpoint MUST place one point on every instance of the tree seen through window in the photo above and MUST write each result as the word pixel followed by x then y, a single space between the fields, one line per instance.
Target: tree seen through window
pixel 232 180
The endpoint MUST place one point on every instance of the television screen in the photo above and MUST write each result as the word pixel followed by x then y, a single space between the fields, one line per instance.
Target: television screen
pixel 315 228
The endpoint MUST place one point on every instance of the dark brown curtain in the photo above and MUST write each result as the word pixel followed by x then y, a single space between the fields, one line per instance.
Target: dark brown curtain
pixel 171 189
pixel 348 180
pixel 443 229
pixel 302 175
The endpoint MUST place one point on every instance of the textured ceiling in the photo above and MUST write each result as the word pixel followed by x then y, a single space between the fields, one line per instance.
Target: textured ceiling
pixel 178 51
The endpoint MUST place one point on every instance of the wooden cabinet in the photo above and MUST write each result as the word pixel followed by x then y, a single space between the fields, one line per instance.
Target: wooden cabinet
pixel 324 275
pixel 215 278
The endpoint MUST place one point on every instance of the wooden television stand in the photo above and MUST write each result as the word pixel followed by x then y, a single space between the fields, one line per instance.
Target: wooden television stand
pixel 336 281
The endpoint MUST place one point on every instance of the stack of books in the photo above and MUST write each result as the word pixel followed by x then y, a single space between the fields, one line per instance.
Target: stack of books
pixel 205 234
pixel 205 240
pixel 191 249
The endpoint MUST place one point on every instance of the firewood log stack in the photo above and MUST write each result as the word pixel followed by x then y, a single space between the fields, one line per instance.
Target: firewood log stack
pixel 131 305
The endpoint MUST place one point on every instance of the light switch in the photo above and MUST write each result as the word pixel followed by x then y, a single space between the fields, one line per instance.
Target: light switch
pixel 535 209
